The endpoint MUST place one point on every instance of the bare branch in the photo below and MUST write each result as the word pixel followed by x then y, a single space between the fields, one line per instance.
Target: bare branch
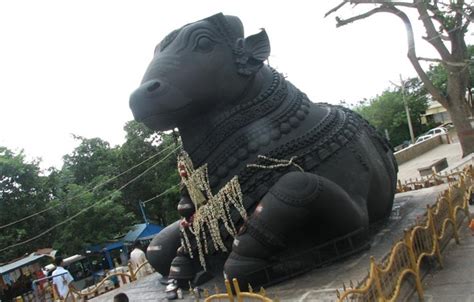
pixel 454 64
pixel 336 8
pixel 389 2
pixel 436 16
pixel 406 4
pixel 444 38
pixel 432 35
pixel 437 95
pixel 342 22
pixel 411 45
pixel 355 2
pixel 466 25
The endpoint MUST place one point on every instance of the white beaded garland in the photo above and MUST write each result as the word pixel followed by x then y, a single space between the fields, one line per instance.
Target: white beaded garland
pixel 210 209
pixel 280 163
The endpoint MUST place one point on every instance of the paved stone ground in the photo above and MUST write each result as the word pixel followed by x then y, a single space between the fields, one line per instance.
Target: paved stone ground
pixel 454 283
pixel 409 169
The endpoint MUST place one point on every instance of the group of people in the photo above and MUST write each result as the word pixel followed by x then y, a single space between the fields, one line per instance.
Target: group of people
pixel 62 278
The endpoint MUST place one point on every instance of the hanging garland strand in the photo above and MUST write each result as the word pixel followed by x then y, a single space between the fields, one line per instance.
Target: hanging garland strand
pixel 279 163
pixel 211 210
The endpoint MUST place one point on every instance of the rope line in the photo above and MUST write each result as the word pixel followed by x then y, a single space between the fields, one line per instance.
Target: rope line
pixel 161 194
pixel 89 207
pixel 83 193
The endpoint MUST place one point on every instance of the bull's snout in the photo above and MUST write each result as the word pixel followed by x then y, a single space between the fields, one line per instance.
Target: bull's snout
pixel 152 86
pixel 156 102
pixel 148 90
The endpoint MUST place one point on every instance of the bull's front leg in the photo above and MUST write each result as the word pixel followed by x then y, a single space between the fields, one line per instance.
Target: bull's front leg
pixel 162 249
pixel 293 205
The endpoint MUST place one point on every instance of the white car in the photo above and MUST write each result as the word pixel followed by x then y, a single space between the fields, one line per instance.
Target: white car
pixel 423 138
pixel 436 131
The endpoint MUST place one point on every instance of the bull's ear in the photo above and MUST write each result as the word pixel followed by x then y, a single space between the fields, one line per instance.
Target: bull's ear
pixel 251 52
pixel 258 46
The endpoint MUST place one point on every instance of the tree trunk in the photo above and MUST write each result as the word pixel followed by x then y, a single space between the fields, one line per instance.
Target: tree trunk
pixel 458 83
pixel 460 113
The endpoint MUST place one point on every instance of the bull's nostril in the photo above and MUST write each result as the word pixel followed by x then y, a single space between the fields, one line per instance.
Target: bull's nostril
pixel 153 86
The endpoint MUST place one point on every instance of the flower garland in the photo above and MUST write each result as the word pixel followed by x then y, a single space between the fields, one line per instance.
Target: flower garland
pixel 210 209
pixel 279 163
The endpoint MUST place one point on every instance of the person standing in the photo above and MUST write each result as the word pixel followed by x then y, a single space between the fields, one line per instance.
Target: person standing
pixel 61 278
pixel 137 258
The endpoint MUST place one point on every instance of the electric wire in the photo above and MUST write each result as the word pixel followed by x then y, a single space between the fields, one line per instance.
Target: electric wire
pixel 88 191
pixel 161 194
pixel 89 207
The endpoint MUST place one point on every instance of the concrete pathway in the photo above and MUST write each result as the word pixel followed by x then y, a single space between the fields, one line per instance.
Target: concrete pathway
pixel 455 282
pixel 452 152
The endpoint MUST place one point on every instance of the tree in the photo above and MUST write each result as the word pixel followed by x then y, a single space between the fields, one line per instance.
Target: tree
pixel 93 198
pixel 439 75
pixel 88 180
pixel 452 19
pixel 387 111
pixel 142 144
pixel 106 219
pixel 23 191
pixel 92 158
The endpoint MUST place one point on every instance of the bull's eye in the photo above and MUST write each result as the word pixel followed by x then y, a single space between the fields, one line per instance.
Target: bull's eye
pixel 204 44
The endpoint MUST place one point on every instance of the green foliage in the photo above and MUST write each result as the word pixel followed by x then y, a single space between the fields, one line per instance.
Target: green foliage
pixel 23 191
pixel 387 111
pixel 103 222
pixel 140 145
pixel 92 158
pixel 439 75
pixel 109 180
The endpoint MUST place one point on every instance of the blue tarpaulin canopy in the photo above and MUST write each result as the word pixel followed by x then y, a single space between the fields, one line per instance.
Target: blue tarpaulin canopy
pixel 142 231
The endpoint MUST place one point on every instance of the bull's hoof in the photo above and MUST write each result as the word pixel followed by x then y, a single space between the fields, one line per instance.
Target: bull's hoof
pixel 242 268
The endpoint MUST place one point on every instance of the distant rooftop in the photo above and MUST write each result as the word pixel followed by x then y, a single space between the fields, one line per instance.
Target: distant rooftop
pixel 33 257
pixel 142 231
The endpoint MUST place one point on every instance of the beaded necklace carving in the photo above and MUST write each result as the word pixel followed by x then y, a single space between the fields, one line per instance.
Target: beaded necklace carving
pixel 210 209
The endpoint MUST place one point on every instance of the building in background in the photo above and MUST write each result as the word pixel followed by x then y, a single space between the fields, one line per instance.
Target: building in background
pixel 435 114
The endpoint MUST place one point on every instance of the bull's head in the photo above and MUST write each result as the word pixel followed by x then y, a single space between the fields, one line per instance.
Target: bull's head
pixel 201 67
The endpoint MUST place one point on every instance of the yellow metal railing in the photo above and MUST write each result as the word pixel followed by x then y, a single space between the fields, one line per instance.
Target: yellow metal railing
pixel 426 239
pixel 239 295
pixel 428 181
pixel 130 275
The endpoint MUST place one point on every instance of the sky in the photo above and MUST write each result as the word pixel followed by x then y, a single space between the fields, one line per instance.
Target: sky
pixel 68 67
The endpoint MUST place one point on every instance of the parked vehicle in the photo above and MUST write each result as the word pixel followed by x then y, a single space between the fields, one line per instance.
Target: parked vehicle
pixel 436 131
pixel 81 269
pixel 423 138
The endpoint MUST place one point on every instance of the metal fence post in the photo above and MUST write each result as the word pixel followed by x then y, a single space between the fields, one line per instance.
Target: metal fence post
pixel 436 245
pixel 413 263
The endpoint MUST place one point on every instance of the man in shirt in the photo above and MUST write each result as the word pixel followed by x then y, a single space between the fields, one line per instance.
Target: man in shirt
pixel 137 258
pixel 61 278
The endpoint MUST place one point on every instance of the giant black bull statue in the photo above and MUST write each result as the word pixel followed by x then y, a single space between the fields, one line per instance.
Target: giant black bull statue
pixel 266 173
